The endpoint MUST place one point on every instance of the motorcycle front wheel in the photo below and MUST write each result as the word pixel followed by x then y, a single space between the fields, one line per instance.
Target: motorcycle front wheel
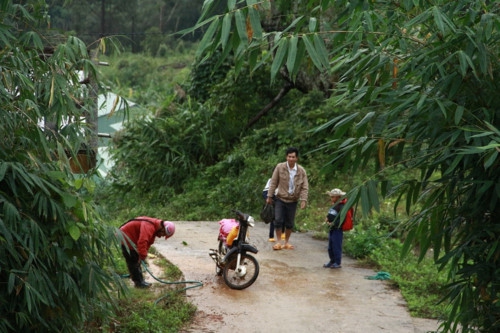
pixel 243 277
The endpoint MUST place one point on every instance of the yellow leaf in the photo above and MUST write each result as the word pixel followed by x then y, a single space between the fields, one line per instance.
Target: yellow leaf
pixel 249 29
pixel 52 91
pixel 381 153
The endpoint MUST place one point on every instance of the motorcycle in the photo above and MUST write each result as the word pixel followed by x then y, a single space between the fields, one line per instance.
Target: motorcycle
pixel 232 260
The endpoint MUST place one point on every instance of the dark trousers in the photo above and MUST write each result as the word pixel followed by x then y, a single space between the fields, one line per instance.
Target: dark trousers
pixel 133 264
pixel 271 229
pixel 284 214
pixel 335 238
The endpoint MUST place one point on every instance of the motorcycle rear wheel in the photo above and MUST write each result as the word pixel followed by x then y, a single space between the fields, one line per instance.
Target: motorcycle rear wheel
pixel 231 276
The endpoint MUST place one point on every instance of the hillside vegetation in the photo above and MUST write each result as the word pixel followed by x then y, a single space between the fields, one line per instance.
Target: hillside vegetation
pixel 201 162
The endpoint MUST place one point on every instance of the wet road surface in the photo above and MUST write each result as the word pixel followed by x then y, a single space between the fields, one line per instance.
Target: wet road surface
pixel 293 292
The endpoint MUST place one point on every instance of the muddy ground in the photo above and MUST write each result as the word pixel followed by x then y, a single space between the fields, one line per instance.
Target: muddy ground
pixel 293 292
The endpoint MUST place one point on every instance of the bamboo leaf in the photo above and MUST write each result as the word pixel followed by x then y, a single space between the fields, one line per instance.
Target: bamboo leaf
pixel 365 200
pixel 492 128
pixel 493 250
pixel 319 44
pixel 3 170
pixel 368 146
pixel 226 29
pixel 365 119
pixel 292 53
pixel 416 192
pixel 11 282
pixel 51 100
pixel 279 58
pixel 490 159
pixel 206 9
pixel 312 24
pixel 207 37
pixel 312 52
pixel 459 112
pixel 462 57
pixel 255 22
pixel 301 51
pixel 453 165
pixel 410 237
pixel 438 19
pixel 347 119
pixel 372 189
pixel 241 26
pixel 421 101
pixel 293 24
pixel 385 187
pixel 253 56
pixel 368 21
pixel 409 194
pixel 33 37
pixel 480 149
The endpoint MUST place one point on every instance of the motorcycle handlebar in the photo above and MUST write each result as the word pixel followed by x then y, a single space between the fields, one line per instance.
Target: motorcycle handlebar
pixel 239 214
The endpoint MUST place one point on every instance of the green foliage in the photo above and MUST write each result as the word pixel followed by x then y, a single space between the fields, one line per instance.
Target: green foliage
pixel 146 80
pixel 54 248
pixel 361 242
pixel 162 155
pixel 424 75
pixel 158 154
pixel 243 96
pixel 205 74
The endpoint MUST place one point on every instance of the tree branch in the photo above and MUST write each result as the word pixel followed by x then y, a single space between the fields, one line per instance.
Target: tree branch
pixel 286 88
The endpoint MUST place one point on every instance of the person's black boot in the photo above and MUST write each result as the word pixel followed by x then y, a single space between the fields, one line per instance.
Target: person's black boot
pixel 142 284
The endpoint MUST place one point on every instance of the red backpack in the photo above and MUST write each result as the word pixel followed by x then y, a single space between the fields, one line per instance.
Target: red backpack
pixel 348 222
pixel 349 216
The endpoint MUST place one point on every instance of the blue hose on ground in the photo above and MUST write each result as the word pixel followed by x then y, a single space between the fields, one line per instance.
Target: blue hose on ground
pixel 379 276
pixel 196 283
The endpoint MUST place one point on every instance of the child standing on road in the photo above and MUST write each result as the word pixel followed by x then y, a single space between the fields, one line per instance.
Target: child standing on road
pixel 335 234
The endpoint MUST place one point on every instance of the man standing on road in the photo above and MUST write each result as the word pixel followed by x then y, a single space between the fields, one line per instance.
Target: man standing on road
pixel 138 236
pixel 290 180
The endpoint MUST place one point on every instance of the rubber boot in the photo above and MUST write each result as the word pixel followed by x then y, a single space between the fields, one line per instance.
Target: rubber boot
pixel 142 284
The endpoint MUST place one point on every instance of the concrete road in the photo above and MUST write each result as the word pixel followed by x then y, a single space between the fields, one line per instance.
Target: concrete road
pixel 293 292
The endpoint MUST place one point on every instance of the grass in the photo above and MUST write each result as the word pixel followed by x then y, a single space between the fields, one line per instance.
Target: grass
pixel 162 308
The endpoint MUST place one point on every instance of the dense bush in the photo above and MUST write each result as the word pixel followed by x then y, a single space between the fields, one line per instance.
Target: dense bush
pixel 54 248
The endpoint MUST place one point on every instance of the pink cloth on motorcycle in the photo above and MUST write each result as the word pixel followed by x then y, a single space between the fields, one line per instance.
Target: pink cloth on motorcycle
pixel 226 225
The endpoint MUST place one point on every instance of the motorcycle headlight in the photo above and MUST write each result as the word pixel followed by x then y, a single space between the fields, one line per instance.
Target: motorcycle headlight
pixel 251 221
